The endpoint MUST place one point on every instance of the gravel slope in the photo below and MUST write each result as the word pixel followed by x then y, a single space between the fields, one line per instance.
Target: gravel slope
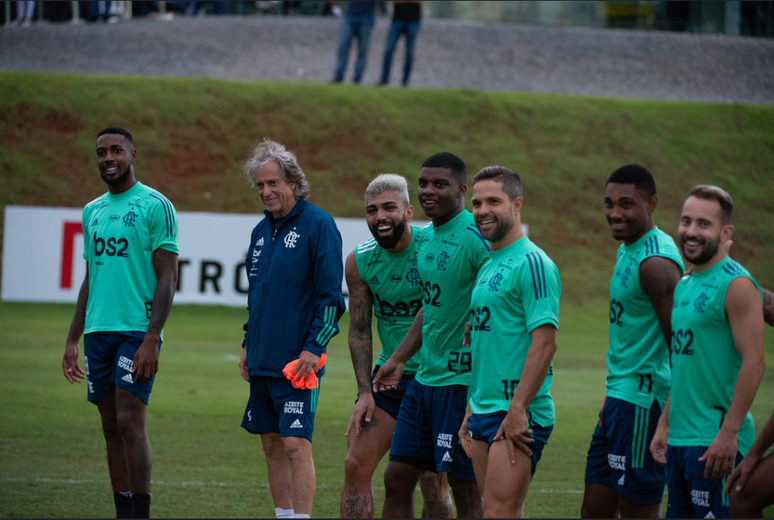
pixel 450 53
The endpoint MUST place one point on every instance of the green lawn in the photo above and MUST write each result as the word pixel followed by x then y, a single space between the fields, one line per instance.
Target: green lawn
pixel 205 465
pixel 193 136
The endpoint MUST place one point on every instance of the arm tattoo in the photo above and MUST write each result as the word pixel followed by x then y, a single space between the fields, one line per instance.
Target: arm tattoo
pixel 360 340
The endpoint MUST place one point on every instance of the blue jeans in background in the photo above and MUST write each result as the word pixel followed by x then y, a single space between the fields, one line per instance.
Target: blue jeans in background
pixel 410 29
pixel 354 27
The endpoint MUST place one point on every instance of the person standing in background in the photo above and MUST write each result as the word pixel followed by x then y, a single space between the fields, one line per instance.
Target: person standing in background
pixel 406 20
pixel 358 22
pixel 24 13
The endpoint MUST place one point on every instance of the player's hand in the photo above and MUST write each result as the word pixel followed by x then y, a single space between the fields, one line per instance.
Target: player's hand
pixel 739 477
pixel 243 365
pixel 464 434
pixel 388 376
pixel 658 446
pixel 515 431
pixel 361 414
pixel 466 335
pixel 146 360
pixel 720 456
pixel 72 370
pixel 308 363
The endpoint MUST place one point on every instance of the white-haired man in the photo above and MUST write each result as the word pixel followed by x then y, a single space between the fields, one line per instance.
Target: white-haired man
pixel 294 268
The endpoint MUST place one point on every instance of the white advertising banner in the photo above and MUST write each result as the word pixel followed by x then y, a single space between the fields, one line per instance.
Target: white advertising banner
pixel 213 247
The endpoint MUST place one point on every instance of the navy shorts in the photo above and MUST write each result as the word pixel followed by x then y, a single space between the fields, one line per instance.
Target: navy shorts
pixel 276 407
pixel 390 401
pixel 426 430
pixel 690 494
pixel 483 427
pixel 619 454
pixel 109 357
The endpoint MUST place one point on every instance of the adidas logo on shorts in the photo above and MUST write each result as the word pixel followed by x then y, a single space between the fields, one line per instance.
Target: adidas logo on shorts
pixel 710 515
pixel 127 378
pixel 621 480
pixel 296 424
pixel 447 457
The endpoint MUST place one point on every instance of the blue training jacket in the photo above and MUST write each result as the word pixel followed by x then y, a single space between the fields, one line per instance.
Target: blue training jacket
pixel 295 268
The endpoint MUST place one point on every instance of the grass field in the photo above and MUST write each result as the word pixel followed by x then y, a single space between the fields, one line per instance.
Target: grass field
pixel 194 134
pixel 205 465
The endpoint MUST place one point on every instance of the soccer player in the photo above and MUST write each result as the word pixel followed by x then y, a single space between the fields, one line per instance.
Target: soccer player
pixel 130 248
pixel 514 314
pixel 294 301
pixel 451 252
pixel 621 476
pixel 382 275
pixel 717 362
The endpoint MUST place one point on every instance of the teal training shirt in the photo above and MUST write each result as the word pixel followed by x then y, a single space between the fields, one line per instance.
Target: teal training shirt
pixel 638 355
pixel 394 283
pixel 449 259
pixel 120 234
pixel 516 292
pixel 705 361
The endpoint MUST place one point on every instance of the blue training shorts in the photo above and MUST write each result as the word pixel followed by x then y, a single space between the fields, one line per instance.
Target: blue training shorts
pixel 276 407
pixel 483 427
pixel 619 454
pixel 426 430
pixel 690 494
pixel 109 357
pixel 390 401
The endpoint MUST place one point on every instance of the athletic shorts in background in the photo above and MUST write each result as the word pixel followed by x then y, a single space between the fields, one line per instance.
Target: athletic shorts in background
pixel 109 357
pixel 690 494
pixel 619 454
pixel 425 433
pixel 483 427
pixel 276 407
pixel 390 401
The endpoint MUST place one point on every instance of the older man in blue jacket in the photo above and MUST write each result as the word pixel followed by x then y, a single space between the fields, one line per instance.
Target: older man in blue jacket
pixel 295 268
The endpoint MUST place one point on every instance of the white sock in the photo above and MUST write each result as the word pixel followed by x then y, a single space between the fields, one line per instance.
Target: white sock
pixel 301 515
pixel 283 513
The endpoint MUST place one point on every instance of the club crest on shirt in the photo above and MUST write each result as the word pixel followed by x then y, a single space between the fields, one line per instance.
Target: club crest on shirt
pixel 700 303
pixel 494 283
pixel 625 277
pixel 442 260
pixel 291 238
pixel 130 218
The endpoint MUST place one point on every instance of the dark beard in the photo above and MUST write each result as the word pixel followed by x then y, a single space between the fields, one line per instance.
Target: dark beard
pixel 710 249
pixel 118 180
pixel 500 231
pixel 390 241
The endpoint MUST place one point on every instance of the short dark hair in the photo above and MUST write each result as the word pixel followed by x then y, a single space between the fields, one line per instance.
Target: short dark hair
pixel 510 180
pixel 118 131
pixel 634 174
pixel 719 195
pixel 450 161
